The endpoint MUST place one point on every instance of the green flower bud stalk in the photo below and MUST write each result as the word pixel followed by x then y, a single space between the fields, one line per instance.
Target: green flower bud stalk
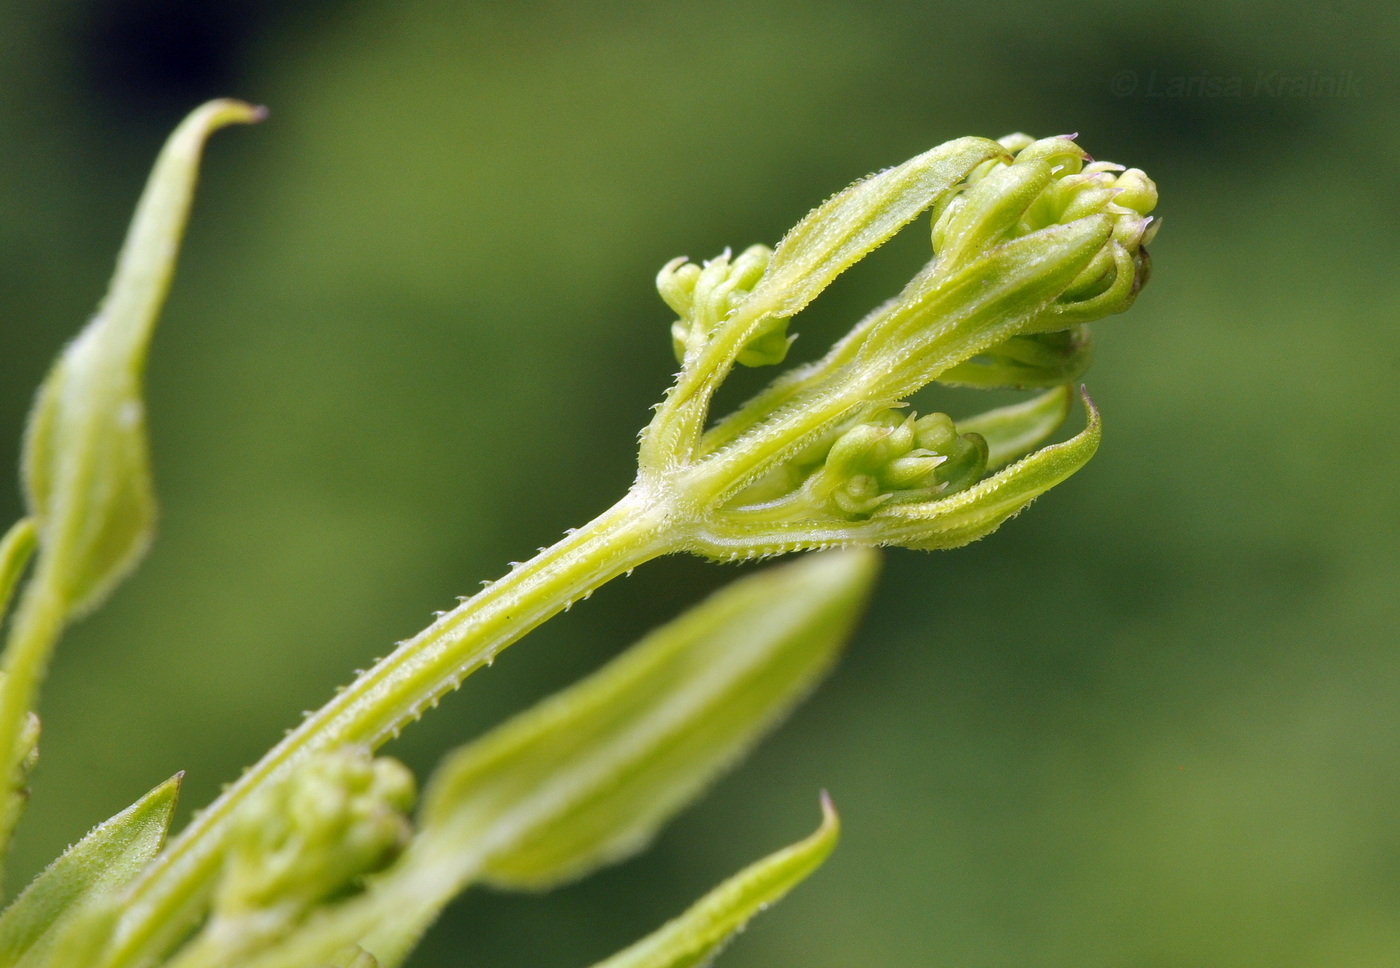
pixel 1032 240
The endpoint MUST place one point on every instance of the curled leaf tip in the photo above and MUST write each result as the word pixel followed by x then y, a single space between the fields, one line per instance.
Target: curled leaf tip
pixel 85 463
pixel 220 112
pixel 695 937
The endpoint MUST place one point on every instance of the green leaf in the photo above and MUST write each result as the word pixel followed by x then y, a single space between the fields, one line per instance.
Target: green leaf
pixel 14 794
pixel 849 225
pixel 1029 361
pixel 1014 431
pixel 85 464
pixel 79 940
pixel 697 935
pixel 107 858
pixel 586 777
pixel 15 550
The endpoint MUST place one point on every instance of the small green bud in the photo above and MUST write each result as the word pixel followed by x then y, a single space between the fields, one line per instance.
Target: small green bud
pixel 883 458
pixel 1046 184
pixel 1014 431
pixel 705 296
pixel 335 818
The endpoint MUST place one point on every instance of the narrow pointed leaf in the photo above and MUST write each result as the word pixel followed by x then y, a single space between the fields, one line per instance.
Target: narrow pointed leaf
pixel 697 935
pixel 1014 431
pixel 109 856
pixel 847 226
pixel 586 777
pixel 85 466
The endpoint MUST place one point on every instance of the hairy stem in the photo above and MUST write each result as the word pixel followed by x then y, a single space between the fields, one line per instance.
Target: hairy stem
pixel 371 710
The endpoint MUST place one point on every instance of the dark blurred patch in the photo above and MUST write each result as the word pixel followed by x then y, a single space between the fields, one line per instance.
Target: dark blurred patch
pixel 153 59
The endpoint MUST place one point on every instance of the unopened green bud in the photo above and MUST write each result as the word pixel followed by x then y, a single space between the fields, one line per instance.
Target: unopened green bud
pixel 884 458
pixel 1014 431
pixel 337 817
pixel 1136 191
pixel 1047 184
pixel 704 296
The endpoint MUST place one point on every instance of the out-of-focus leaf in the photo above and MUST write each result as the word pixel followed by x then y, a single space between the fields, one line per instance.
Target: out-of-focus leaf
pixel 697 935
pixel 15 550
pixel 588 776
pixel 79 939
pixel 14 793
pixel 1013 432
pixel 109 856
pixel 85 465
pixel 598 768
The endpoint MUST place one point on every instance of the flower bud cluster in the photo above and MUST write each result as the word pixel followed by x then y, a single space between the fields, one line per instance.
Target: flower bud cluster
pixel 887 457
pixel 1032 241
pixel 335 819
pixel 703 296
pixel 1047 183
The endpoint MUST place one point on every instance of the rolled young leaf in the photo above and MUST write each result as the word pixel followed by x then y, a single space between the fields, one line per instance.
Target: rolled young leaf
pixel 849 225
pixel 109 856
pixel 85 467
pixel 697 935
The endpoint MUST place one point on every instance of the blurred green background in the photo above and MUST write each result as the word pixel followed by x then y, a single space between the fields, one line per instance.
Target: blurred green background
pixel 1152 722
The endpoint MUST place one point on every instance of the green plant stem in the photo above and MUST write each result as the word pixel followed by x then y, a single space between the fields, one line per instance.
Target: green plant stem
pixel 37 624
pixel 395 691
